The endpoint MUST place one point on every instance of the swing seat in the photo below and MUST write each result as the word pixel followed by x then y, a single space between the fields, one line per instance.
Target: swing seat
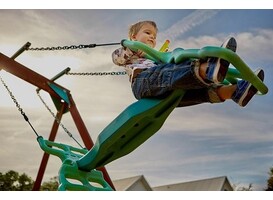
pixel 129 130
pixel 137 123
pixel 70 177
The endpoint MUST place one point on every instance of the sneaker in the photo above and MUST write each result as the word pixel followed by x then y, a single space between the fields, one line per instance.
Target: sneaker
pixel 245 90
pixel 217 68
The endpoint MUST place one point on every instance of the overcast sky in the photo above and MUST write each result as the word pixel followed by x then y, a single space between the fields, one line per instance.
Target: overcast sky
pixel 198 142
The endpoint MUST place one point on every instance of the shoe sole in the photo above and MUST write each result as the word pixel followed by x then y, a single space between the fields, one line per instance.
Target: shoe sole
pixel 251 90
pixel 222 72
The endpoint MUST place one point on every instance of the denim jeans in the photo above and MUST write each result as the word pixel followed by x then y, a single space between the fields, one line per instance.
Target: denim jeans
pixel 161 80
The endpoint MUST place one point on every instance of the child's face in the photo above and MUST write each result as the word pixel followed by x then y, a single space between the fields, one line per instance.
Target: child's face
pixel 147 35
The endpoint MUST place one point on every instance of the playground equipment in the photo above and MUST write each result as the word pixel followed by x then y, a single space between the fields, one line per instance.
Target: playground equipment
pixel 83 168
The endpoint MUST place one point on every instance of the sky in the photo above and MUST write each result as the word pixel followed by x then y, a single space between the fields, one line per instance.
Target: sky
pixel 197 142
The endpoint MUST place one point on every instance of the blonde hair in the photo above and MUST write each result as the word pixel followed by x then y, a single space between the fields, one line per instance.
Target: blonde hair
pixel 134 28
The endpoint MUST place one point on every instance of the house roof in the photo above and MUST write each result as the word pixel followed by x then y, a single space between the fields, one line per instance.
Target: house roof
pixel 127 184
pixel 210 184
pixel 139 183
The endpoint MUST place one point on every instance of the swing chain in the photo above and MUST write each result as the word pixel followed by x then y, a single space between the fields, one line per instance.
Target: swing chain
pixel 13 98
pixel 60 48
pixel 72 47
pixel 57 120
pixel 18 106
pixel 96 73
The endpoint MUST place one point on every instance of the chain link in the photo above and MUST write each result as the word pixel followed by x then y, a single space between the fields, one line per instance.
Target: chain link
pixel 57 120
pixel 81 46
pixel 72 47
pixel 18 106
pixel 96 73
pixel 12 97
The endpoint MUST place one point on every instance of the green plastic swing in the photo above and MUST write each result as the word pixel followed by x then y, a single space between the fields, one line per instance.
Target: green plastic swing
pixel 137 122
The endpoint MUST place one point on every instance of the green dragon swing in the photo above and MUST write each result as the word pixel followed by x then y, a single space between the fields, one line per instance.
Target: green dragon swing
pixel 137 123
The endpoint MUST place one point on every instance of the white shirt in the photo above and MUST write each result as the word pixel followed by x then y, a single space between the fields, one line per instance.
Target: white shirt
pixel 131 61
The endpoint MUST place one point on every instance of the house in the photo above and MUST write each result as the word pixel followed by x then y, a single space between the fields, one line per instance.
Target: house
pixel 139 183
pixel 211 184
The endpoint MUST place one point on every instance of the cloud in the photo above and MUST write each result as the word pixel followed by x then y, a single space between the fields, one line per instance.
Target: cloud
pixel 263 44
pixel 187 23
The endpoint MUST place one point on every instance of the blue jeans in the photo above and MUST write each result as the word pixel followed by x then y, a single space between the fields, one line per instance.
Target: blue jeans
pixel 161 80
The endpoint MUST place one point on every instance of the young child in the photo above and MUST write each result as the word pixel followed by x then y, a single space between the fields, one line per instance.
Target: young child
pixel 201 79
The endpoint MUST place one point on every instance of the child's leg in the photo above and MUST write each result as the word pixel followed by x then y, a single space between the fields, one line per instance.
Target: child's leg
pixel 199 96
pixel 215 69
pixel 245 90
pixel 240 93
pixel 160 80
pixel 226 91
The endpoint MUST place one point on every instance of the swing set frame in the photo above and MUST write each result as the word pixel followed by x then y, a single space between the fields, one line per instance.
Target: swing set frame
pixel 43 83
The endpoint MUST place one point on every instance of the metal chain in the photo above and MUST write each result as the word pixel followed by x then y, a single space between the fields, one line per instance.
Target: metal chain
pixel 96 73
pixel 18 105
pixel 57 120
pixel 72 47
pixel 12 97
pixel 81 46
pixel 26 118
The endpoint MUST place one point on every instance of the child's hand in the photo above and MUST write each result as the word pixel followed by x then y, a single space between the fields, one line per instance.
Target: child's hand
pixel 140 53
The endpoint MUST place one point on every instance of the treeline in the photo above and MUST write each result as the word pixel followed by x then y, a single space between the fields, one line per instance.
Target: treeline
pixel 13 181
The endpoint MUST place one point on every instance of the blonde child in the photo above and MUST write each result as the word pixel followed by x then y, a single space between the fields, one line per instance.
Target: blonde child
pixel 201 79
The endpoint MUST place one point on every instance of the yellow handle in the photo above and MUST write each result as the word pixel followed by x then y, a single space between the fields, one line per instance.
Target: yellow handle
pixel 165 46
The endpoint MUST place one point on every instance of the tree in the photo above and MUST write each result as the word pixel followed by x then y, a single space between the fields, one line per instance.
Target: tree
pixel 13 181
pixel 270 181
pixel 243 188
pixel 51 185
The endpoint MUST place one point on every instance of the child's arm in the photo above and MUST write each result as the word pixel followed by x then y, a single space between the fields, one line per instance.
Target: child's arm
pixel 123 56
